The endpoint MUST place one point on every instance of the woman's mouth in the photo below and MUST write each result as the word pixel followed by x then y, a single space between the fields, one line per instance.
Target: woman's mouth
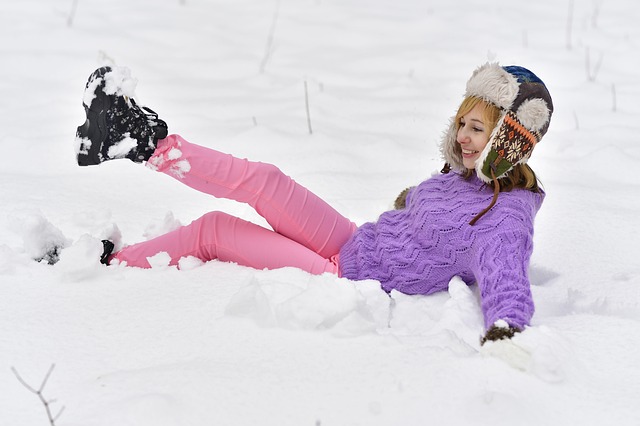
pixel 467 153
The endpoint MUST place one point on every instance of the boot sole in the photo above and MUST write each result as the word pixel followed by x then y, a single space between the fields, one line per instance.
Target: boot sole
pixel 95 127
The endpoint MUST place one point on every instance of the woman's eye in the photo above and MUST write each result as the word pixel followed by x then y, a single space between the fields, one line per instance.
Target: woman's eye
pixel 477 129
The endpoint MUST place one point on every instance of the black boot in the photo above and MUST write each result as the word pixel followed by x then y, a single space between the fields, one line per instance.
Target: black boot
pixel 107 249
pixel 116 127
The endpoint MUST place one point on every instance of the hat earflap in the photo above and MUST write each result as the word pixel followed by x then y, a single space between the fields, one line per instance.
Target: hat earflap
pixel 511 143
pixel 483 163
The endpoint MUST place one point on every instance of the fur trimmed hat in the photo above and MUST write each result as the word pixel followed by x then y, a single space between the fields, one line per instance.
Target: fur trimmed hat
pixel 526 109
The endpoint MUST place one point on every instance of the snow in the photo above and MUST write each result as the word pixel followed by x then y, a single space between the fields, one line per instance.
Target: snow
pixel 122 148
pixel 218 343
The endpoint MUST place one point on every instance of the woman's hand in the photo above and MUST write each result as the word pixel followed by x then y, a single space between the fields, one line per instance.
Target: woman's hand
pixel 499 332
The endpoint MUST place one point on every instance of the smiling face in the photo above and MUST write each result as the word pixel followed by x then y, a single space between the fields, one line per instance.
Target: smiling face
pixel 474 129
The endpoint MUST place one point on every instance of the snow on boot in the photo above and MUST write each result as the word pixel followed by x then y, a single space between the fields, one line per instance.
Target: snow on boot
pixel 115 127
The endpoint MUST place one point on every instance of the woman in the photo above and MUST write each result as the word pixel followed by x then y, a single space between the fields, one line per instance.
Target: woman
pixel 475 220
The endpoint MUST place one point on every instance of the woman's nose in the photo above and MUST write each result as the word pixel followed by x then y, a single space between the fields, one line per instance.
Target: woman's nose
pixel 463 137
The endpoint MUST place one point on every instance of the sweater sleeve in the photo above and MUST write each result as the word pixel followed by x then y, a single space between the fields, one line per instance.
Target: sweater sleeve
pixel 501 271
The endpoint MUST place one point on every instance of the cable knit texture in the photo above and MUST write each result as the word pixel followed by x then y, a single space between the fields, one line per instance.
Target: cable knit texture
pixel 419 249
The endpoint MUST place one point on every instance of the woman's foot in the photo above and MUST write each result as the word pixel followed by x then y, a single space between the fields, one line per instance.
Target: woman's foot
pixel 107 250
pixel 116 127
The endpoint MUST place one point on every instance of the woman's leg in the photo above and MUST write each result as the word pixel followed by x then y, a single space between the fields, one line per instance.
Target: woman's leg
pixel 218 235
pixel 290 209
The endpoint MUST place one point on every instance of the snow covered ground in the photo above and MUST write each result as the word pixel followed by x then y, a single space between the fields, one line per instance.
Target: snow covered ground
pixel 220 344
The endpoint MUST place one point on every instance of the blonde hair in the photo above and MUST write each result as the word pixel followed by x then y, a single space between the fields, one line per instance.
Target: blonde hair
pixel 521 176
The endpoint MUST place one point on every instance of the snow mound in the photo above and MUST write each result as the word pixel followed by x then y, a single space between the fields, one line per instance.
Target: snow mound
pixel 168 224
pixel 453 320
pixel 541 351
pixel 81 261
pixel 42 241
pixel 311 302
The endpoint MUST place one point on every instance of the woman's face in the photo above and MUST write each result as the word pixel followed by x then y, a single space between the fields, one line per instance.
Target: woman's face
pixel 473 135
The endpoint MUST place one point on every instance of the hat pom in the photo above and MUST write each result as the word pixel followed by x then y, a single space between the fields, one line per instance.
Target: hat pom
pixel 494 84
pixel 534 114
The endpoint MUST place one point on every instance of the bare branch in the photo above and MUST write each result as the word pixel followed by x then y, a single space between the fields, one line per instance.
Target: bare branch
pixel 59 414
pixel 592 73
pixel 52 419
pixel 569 25
pixel 269 47
pixel 25 384
pixel 46 377
pixel 72 14
pixel 306 101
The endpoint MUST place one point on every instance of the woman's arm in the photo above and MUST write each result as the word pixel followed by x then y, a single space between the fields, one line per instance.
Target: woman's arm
pixel 501 271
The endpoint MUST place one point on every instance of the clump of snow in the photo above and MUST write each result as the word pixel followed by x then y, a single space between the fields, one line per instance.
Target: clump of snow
pixel 82 145
pixel 188 263
pixel 90 91
pixel 453 319
pixel 541 351
pixel 112 233
pixel 179 168
pixel 501 324
pixel 119 81
pixel 159 260
pixel 81 261
pixel 311 303
pixel 168 224
pixel 123 147
pixel 41 239
pixel 169 161
pixel 174 154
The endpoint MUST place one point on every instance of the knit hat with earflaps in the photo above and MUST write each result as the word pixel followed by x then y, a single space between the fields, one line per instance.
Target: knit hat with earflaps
pixel 526 109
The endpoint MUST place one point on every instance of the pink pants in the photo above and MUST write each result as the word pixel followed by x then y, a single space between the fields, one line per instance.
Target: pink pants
pixel 307 232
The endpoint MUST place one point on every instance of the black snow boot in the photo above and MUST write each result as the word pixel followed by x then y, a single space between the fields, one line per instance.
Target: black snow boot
pixel 116 127
pixel 107 250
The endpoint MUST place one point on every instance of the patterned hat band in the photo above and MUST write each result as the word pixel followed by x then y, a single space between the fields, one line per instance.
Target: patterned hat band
pixel 527 108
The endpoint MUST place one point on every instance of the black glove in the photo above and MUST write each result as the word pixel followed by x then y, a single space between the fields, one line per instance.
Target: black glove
pixel 401 200
pixel 499 333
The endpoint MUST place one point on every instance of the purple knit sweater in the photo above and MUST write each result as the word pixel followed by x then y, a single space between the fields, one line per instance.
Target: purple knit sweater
pixel 419 249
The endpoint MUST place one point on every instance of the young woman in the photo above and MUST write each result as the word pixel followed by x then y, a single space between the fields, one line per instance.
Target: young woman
pixel 475 220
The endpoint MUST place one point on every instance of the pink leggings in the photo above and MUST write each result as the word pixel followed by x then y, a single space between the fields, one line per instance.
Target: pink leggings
pixel 307 232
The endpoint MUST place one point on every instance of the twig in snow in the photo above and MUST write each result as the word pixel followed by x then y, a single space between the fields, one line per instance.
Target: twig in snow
pixel 268 50
pixel 592 74
pixel 52 419
pixel 72 14
pixel 306 101
pixel 596 14
pixel 569 24
pixel 104 58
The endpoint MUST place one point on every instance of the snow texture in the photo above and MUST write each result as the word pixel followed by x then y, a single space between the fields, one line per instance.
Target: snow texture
pixel 217 343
